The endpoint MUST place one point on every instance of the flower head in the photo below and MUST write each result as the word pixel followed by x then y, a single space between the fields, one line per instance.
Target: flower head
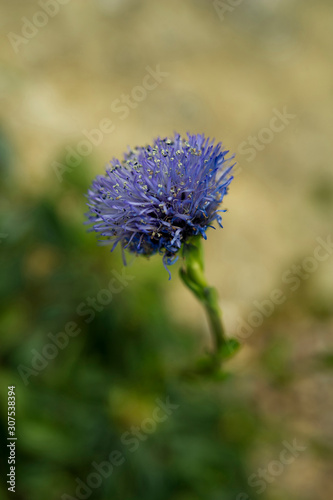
pixel 159 196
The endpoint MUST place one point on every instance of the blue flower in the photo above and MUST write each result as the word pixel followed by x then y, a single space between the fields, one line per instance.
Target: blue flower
pixel 159 196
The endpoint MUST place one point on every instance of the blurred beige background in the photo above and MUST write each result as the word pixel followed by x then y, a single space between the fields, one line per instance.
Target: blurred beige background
pixel 231 70
pixel 228 69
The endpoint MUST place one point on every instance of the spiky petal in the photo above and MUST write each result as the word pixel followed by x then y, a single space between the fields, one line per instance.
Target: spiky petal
pixel 159 196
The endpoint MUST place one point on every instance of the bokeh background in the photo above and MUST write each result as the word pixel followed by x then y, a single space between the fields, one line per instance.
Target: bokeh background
pixel 228 67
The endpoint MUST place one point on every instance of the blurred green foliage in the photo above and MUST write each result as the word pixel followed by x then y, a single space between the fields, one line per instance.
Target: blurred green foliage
pixel 75 410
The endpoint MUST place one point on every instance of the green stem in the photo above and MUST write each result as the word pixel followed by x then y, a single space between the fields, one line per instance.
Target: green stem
pixel 215 318
pixel 192 274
